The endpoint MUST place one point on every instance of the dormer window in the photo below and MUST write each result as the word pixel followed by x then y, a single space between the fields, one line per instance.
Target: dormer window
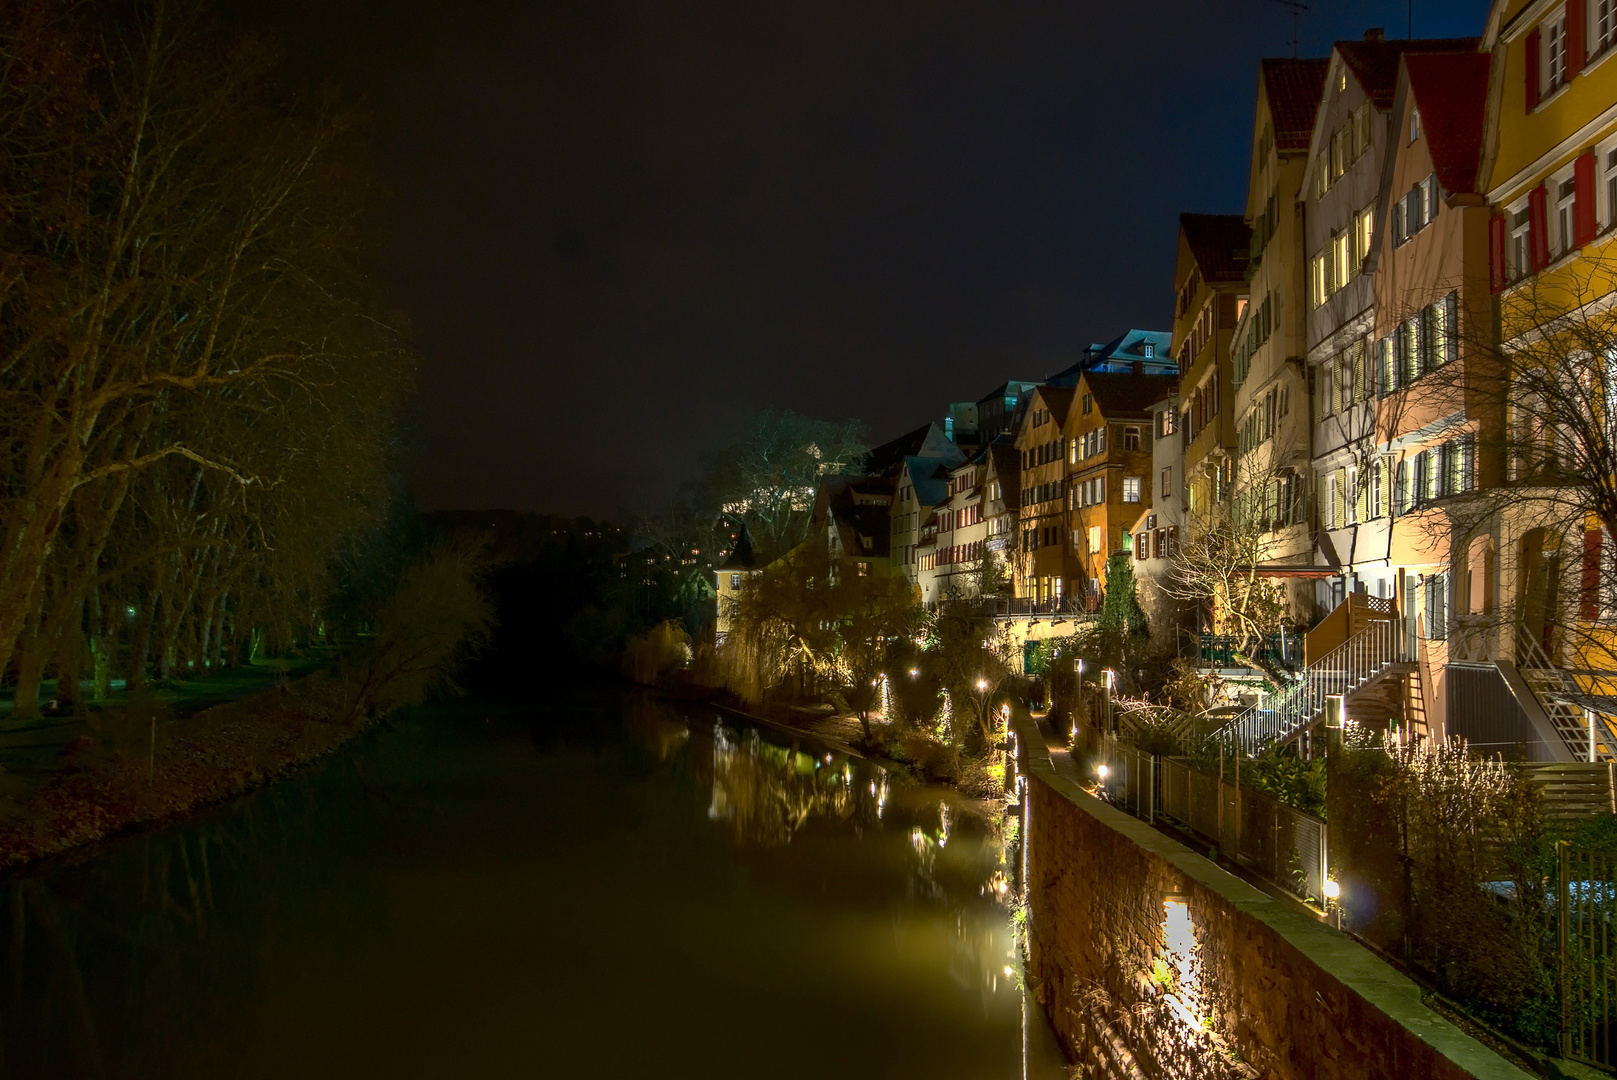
pixel 1150 350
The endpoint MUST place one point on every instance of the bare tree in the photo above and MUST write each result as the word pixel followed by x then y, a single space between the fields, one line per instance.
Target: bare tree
pixel 196 393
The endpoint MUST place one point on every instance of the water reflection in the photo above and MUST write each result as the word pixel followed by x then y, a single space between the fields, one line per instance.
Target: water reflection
pixel 635 887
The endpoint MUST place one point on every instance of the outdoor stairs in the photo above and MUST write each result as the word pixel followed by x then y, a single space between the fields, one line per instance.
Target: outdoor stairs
pixel 1359 666
pixel 1552 686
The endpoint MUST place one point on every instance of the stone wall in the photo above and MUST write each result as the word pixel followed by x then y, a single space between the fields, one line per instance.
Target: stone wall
pixel 1153 963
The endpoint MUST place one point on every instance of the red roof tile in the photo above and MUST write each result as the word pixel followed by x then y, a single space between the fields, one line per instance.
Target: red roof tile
pixel 1375 63
pixel 1220 243
pixel 1451 91
pixel 1293 88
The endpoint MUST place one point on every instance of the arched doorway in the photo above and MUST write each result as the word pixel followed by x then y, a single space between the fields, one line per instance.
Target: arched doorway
pixel 1538 578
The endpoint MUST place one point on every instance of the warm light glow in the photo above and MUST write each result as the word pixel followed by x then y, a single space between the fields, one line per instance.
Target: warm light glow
pixel 1008 971
pixel 1332 890
pixel 1103 771
pixel 981 685
pixel 913 673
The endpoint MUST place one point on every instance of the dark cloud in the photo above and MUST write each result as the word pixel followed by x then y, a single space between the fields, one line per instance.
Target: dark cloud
pixel 618 228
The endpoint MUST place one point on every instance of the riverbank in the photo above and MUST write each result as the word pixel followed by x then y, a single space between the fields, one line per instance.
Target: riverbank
pixel 143 765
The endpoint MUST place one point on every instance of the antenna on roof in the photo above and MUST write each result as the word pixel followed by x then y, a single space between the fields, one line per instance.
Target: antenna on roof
pixel 1297 9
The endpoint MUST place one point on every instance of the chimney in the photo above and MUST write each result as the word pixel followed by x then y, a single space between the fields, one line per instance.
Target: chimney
pixel 1139 367
pixel 1375 33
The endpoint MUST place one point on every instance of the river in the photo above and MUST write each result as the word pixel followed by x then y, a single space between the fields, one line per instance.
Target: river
pixel 605 886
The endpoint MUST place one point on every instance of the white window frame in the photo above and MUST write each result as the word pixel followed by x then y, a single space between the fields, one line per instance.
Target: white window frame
pixel 1606 162
pixel 1131 489
pixel 1602 26
pixel 1519 223
pixel 1563 213
pixel 1552 54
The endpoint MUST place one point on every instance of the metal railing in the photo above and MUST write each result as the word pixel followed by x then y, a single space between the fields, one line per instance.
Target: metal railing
pixel 1352 664
pixel 1276 842
pixel 1547 681
pixel 1284 649
pixel 1587 914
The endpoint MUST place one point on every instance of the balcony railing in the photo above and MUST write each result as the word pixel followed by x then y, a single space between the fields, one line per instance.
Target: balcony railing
pixel 1282 650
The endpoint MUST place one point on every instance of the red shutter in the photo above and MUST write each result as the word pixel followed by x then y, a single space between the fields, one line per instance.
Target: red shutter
pixel 1589 598
pixel 1538 224
pixel 1497 278
pixel 1576 23
pixel 1583 210
pixel 1532 69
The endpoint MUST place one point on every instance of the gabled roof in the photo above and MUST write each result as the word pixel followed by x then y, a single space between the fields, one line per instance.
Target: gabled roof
pixel 1293 89
pixel 1374 63
pixel 930 479
pixel 1451 92
pixel 863 530
pixel 1119 394
pixel 1006 463
pixel 1221 244
pixel 1058 399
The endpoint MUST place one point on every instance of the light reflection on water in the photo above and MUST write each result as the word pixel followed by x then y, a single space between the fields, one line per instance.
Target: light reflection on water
pixel 537 895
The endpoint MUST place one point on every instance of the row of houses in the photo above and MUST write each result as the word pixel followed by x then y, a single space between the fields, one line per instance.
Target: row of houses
pixel 1328 371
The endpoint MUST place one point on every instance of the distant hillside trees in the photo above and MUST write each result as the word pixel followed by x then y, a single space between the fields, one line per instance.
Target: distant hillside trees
pixel 197 386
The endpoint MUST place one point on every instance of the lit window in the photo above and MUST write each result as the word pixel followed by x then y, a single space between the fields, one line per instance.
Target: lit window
pixel 1131 489
pixel 735 581
pixel 1095 539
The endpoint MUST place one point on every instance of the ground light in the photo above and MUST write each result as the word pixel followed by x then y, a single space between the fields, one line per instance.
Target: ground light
pixel 1102 771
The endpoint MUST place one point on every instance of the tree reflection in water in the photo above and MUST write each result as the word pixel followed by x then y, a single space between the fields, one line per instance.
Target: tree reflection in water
pixel 360 917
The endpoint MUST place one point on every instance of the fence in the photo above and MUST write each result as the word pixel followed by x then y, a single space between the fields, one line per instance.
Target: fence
pixel 1278 843
pixel 1586 904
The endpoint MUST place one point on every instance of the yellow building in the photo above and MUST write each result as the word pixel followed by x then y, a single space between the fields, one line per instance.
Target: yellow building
pixel 1040 559
pixel 1549 170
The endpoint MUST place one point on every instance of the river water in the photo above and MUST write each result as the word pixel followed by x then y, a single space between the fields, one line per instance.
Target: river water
pixel 608 886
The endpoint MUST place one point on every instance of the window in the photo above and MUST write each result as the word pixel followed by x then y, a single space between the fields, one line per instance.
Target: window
pixel 1131 489
pixel 1167 481
pixel 735 581
pixel 1363 229
pixel 1521 229
pixel 1089 404
pixel 1565 219
pixel 1095 540
pixel 1435 592
pixel 1142 547
pixel 1131 438
pixel 1167 422
pixel 1611 184
pixel 1414 124
pixel 1552 32
pixel 1150 350
pixel 1601 25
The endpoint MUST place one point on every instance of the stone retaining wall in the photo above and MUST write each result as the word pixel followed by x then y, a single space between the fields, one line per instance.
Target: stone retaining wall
pixel 1154 963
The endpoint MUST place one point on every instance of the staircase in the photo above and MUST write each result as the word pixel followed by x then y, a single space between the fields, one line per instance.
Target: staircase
pixel 1353 665
pixel 1552 685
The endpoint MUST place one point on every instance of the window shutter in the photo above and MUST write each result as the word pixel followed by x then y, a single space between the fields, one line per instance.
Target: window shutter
pixel 1532 69
pixel 1583 209
pixel 1576 23
pixel 1386 487
pixel 1361 498
pixel 1325 501
pixel 1538 236
pixel 1336 387
pixel 1339 510
pixel 1360 388
pixel 1589 596
pixel 1496 253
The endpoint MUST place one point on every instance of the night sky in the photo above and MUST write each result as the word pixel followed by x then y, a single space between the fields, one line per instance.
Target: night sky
pixel 619 228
